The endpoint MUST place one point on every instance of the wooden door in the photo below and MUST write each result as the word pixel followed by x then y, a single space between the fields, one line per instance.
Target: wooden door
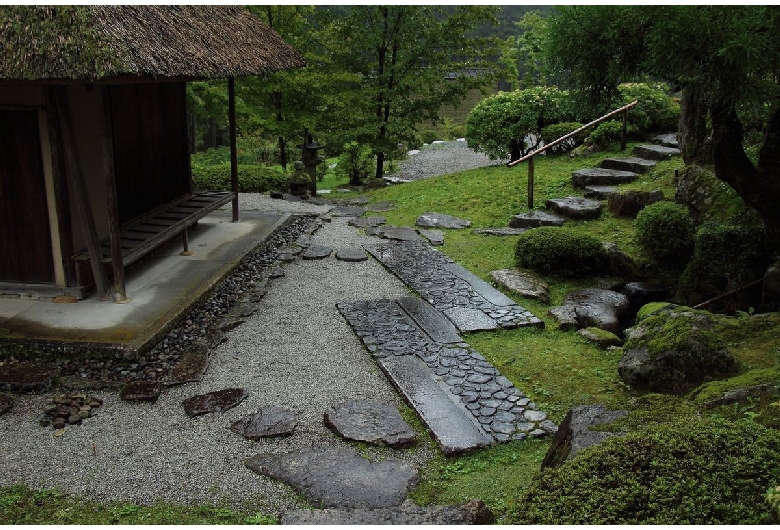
pixel 26 254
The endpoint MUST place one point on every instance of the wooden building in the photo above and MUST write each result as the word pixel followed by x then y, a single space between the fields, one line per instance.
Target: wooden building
pixel 94 159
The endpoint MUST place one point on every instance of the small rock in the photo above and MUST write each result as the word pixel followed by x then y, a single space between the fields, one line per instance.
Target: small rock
pixel 266 422
pixel 218 401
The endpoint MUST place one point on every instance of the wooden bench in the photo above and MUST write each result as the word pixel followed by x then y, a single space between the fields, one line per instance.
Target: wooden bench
pixel 142 235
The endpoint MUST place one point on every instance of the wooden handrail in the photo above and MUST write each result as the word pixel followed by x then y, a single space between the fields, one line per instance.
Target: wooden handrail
pixel 566 137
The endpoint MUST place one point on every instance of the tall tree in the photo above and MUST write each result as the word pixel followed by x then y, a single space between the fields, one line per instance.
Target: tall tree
pixel 724 58
pixel 411 61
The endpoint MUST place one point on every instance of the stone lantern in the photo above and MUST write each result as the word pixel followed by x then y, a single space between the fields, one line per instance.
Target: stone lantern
pixel 310 161
pixel 299 182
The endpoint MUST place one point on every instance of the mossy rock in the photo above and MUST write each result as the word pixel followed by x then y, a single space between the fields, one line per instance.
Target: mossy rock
pixel 601 338
pixel 715 390
pixel 673 351
pixel 688 471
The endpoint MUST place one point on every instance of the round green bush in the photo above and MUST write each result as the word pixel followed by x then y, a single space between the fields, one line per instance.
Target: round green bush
pixel 665 231
pixel 689 471
pixel 560 251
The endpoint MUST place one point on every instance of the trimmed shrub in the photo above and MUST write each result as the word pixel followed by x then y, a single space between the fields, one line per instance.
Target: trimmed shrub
pixel 665 232
pixel 689 471
pixel 556 130
pixel 252 178
pixel 560 251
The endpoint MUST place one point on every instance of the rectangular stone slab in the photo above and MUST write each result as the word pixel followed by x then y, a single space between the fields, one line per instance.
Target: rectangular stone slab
pixel 432 322
pixel 451 424
pixel 487 291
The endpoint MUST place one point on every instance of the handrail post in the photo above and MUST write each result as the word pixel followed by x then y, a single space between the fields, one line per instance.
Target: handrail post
pixel 531 183
pixel 623 133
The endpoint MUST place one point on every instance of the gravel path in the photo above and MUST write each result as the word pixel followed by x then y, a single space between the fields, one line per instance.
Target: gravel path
pixel 441 158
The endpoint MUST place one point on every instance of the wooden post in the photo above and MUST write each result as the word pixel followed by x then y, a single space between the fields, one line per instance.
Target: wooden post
pixel 59 98
pixel 117 264
pixel 531 183
pixel 623 132
pixel 233 148
pixel 185 240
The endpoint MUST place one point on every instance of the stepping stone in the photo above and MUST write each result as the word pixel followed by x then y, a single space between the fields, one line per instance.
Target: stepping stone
pixel 317 252
pixel 454 430
pixel 353 255
pixel 631 202
pixel 500 231
pixel 637 165
pixel 339 478
pixel 218 401
pixel 667 140
pixel 524 282
pixel 403 233
pixel 147 391
pixel 472 513
pixel 293 249
pixel 575 207
pixel 655 152
pixel 432 322
pixel 441 220
pixel 434 237
pixel 191 366
pixel 381 206
pixel 535 219
pixel 265 423
pixel 599 192
pixel 372 422
pixel 591 307
pixel 25 377
pixel 599 176
pixel 347 211
pixel 360 200
pixel 366 222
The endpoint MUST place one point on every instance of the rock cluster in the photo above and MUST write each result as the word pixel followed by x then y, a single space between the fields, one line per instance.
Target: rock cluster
pixel 68 409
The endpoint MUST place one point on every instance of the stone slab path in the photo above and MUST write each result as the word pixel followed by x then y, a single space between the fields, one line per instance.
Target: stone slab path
pixel 465 401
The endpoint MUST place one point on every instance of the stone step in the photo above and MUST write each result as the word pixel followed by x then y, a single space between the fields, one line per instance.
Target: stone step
pixel 465 401
pixel 655 152
pixel 599 192
pixel 535 219
pixel 575 207
pixel 631 163
pixel 668 140
pixel 597 176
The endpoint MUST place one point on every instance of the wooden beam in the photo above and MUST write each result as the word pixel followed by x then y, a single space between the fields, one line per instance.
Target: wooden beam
pixel 59 99
pixel 233 148
pixel 107 136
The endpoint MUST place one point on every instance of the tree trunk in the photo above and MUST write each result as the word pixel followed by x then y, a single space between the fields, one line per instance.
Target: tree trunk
pixel 757 186
pixel 380 165
pixel 694 142
pixel 282 152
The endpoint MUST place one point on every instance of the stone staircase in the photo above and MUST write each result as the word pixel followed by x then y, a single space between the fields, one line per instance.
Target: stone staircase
pixel 601 183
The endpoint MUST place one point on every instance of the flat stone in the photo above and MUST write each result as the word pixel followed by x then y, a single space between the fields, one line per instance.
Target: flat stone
pixel 441 220
pixel 667 140
pixel 472 513
pixel 366 222
pixel 399 233
pixel 524 282
pixel 452 426
pixel 347 211
pixel 351 255
pixel 191 366
pixel 339 478
pixel 535 219
pixel 637 165
pixel 601 176
pixel 599 192
pixel 434 237
pixel 575 207
pixel 370 421
pixel 218 401
pixel 25 377
pixel 317 252
pixel 468 319
pixel 591 307
pixel 381 206
pixel 432 322
pixel 504 231
pixel 267 422
pixel 147 391
pixel 655 152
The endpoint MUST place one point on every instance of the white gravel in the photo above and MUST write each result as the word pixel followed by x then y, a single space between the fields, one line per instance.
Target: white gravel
pixel 441 158
pixel 296 352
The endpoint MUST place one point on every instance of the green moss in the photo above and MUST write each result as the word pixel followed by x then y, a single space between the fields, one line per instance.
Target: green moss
pixel 669 331
pixel 651 308
pixel 715 389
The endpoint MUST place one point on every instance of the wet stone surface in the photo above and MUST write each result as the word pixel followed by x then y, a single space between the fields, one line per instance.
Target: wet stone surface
pixel 447 286
pixel 366 222
pixel 501 410
pixel 371 422
pixel 267 422
pixel 147 391
pixel 68 409
pixel 218 401
pixel 351 255
pixel 440 220
pixel 339 478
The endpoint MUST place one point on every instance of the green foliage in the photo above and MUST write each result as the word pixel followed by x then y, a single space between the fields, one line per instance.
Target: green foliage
pixel 560 251
pixel 552 132
pixel 656 110
pixel 429 136
pixel 689 471
pixel 503 125
pixel 665 232
pixel 355 163
pixel 252 178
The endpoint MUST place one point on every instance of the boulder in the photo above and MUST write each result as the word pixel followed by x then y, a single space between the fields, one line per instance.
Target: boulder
pixel 631 202
pixel 674 350
pixel 575 433
pixel 770 294
pixel 591 307
pixel 524 282
pixel 641 293
pixel 575 207
pixel 599 192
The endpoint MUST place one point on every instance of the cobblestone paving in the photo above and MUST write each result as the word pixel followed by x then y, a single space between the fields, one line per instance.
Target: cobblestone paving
pixel 471 303
pixel 388 328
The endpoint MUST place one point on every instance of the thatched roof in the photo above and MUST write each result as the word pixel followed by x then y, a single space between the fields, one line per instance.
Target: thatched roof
pixel 94 43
